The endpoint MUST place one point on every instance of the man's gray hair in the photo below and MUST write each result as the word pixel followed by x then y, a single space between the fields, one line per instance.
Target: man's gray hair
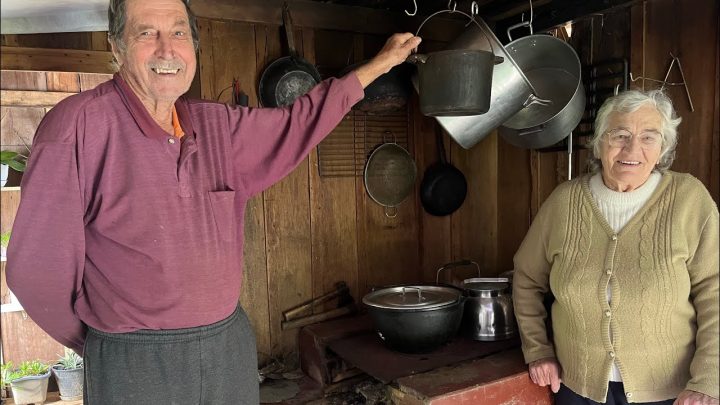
pixel 117 17
pixel 630 101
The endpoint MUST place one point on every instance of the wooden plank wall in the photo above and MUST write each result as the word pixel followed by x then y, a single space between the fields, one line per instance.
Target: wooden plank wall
pixel 308 232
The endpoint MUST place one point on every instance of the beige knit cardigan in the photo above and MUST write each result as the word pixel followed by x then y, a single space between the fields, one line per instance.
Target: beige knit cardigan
pixel 662 268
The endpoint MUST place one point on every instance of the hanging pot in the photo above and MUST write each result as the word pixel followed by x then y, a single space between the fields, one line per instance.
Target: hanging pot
pixel 443 188
pixel 416 318
pixel 510 89
pixel 289 77
pixel 454 82
pixel 389 92
pixel 553 68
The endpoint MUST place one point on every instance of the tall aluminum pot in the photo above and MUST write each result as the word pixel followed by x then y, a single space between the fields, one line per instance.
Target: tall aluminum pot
pixel 554 69
pixel 416 318
pixel 510 90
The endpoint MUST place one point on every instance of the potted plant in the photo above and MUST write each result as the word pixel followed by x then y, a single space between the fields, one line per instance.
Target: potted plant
pixel 11 160
pixel 28 382
pixel 69 375
pixel 4 241
pixel 4 371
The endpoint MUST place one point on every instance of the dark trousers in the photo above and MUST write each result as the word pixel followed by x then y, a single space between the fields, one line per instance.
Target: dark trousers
pixel 208 365
pixel 615 396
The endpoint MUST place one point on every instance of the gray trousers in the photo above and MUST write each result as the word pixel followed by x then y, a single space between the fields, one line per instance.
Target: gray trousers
pixel 207 365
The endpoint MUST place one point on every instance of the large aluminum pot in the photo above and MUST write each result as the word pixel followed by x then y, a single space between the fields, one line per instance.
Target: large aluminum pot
pixel 489 311
pixel 510 89
pixel 553 68
pixel 416 318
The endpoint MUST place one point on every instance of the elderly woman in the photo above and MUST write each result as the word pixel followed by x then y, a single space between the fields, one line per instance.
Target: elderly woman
pixel 630 253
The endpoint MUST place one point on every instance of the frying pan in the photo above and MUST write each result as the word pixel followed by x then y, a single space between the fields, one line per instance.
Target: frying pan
pixel 443 188
pixel 289 77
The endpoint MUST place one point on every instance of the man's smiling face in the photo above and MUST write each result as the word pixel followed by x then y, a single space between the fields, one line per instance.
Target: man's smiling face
pixel 158 61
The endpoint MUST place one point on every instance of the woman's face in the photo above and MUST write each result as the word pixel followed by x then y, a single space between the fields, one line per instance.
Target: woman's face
pixel 630 148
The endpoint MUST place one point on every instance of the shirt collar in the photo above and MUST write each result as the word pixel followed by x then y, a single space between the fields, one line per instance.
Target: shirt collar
pixel 142 117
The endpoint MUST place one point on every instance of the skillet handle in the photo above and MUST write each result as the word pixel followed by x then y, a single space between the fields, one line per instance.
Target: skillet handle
pixel 287 23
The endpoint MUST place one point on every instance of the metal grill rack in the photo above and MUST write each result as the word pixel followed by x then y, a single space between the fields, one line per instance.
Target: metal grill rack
pixel 344 152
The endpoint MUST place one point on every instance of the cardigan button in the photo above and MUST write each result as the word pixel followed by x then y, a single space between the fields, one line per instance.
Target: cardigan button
pixel 614 237
pixel 628 394
pixel 612 355
pixel 607 313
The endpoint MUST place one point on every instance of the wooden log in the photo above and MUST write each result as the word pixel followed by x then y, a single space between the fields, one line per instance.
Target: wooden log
pixel 62 60
pixel 21 98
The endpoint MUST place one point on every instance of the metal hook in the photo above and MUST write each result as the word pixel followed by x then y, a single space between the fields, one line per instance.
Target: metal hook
pixel 454 5
pixel 474 9
pixel 414 12
pixel 664 82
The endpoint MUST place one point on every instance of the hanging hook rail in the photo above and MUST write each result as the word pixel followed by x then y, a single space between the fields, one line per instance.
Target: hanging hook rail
pixel 414 12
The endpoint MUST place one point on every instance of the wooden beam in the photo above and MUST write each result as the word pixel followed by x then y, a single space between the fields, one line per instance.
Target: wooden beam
pixel 317 15
pixel 22 98
pixel 61 60
pixel 557 12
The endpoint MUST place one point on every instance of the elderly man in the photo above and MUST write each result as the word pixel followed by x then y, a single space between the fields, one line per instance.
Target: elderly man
pixel 127 246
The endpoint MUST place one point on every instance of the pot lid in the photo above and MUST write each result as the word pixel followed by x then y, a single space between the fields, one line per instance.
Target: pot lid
pixel 486 284
pixel 413 297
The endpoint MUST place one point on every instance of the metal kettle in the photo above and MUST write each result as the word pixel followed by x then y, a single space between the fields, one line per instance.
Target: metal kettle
pixel 488 314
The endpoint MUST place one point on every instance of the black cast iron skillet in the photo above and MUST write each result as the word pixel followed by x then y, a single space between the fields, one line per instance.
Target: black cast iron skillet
pixel 289 77
pixel 443 188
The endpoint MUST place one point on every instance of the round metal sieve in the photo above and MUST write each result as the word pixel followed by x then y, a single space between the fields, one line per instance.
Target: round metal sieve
pixel 390 176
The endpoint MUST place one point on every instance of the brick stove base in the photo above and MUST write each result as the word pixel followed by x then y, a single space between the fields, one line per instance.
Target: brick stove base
pixel 499 379
pixel 496 376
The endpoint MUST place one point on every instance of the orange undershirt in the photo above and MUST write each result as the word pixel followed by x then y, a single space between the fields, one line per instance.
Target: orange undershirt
pixel 177 129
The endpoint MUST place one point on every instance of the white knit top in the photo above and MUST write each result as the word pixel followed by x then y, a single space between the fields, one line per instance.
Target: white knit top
pixel 618 208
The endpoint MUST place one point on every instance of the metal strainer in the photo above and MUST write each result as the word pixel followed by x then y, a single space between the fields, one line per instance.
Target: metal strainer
pixel 390 176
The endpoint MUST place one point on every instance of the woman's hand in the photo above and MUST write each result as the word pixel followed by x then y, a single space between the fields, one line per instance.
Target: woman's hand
pixel 545 372
pixel 688 397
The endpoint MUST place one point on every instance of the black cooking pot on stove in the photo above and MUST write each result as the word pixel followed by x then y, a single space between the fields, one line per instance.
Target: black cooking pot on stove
pixel 416 318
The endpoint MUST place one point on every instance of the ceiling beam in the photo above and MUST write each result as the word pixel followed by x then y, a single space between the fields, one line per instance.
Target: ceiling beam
pixel 318 15
pixel 558 12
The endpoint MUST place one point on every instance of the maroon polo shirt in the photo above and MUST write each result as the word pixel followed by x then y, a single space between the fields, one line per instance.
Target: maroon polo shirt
pixel 122 226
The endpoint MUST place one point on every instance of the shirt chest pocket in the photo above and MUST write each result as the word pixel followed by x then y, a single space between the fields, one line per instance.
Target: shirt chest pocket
pixel 222 204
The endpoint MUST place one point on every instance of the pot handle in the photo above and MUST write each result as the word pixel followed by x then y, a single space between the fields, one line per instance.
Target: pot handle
pixel 518 25
pixel 391 212
pixel 460 263
pixel 472 20
pixel 533 99
pixel 535 130
pixel 419 292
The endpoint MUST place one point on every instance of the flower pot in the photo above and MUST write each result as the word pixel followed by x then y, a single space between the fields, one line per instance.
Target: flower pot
pixel 70 382
pixel 31 389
